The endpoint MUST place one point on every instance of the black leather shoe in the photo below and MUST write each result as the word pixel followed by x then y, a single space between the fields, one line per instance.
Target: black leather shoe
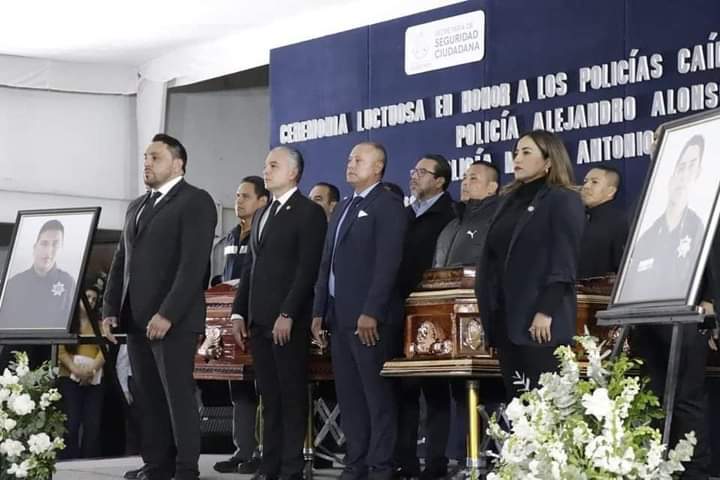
pixel 263 476
pixel 228 466
pixel 433 472
pixel 322 463
pixel 402 473
pixel 249 467
pixel 133 474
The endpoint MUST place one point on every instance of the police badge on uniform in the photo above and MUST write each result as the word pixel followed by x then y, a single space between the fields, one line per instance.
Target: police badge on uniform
pixel 58 289
pixel 683 247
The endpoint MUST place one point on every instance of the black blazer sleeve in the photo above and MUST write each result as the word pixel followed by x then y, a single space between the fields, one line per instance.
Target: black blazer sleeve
pixel 240 303
pixel 114 289
pixel 197 232
pixel 310 250
pixel 567 224
pixel 389 240
pixel 323 277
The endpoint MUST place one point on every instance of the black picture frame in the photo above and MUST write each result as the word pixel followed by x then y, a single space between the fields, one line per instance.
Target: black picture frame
pixel 18 279
pixel 651 282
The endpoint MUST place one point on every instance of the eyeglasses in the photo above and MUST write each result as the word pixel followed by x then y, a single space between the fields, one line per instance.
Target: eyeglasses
pixel 421 172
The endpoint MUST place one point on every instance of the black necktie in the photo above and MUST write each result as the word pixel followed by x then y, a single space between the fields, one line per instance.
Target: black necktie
pixel 147 208
pixel 273 210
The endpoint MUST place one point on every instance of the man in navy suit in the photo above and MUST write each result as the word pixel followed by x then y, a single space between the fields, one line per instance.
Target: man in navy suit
pixel 357 299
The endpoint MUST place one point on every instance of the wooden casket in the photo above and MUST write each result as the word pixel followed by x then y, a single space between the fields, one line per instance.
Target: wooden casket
pixel 218 357
pixel 442 319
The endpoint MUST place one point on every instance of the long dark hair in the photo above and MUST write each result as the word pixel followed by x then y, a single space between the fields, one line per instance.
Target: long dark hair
pixel 553 149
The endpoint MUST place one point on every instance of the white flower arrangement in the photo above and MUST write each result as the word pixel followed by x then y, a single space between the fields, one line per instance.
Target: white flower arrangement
pixel 593 428
pixel 31 423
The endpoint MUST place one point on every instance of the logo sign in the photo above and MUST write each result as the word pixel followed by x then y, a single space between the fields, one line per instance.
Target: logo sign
pixel 445 43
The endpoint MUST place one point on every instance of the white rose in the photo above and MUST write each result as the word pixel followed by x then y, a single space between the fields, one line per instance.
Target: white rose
pixel 4 394
pixel 9 424
pixel 598 404
pixel 11 448
pixel 7 378
pixel 39 443
pixel 21 404
pixel 21 470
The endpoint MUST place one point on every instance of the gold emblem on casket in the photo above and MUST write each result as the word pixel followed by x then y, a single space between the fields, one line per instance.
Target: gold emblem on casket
pixel 430 339
pixel 474 335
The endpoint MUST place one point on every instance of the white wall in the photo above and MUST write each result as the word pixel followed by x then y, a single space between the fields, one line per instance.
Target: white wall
pixel 67 150
pixel 226 134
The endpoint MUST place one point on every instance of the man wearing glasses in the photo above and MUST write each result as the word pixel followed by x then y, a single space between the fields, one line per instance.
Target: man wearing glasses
pixel 428 214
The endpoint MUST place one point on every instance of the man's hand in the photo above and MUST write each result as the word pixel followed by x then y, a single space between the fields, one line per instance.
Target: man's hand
pixel 367 330
pixel 281 330
pixel 715 332
pixel 540 328
pixel 318 333
pixel 107 325
pixel 158 327
pixel 239 331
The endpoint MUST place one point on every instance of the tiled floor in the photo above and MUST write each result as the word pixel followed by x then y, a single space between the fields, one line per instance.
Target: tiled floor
pixel 114 468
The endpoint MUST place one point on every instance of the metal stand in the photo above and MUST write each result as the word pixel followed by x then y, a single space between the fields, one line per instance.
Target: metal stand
pixel 309 450
pixel 677 320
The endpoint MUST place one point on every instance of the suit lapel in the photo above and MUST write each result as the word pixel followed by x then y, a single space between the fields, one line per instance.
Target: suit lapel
pixel 163 201
pixel 283 211
pixel 255 232
pixel 352 216
pixel 525 218
pixel 133 215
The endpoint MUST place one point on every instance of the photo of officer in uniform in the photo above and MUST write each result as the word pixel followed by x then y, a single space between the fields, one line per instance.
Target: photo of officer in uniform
pixel 42 295
pixel 663 259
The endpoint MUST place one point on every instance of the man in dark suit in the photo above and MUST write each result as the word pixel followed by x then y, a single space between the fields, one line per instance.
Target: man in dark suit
pixel 274 300
pixel 430 211
pixel 155 292
pixel 356 297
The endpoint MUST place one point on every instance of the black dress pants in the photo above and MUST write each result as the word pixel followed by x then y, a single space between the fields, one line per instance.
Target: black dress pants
pixel 367 402
pixel 83 406
pixel 281 373
pixel 244 402
pixel 163 371
pixel 525 361
pixel 437 424
pixel 652 344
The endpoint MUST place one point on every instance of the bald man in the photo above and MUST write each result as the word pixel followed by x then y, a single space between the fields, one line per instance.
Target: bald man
pixel 606 228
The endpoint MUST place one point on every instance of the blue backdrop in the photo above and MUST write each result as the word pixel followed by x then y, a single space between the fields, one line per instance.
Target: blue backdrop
pixel 364 68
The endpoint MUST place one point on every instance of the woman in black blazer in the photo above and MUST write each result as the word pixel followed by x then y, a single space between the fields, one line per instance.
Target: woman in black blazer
pixel 526 273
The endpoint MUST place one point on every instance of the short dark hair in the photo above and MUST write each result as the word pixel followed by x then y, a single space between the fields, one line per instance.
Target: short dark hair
pixel 177 150
pixel 54 225
pixel 383 153
pixel 442 168
pixel 695 141
pixel 613 172
pixel 258 184
pixel 333 191
pixel 393 188
pixel 495 170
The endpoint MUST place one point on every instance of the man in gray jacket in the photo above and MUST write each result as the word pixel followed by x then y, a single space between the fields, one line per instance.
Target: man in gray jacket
pixel 461 239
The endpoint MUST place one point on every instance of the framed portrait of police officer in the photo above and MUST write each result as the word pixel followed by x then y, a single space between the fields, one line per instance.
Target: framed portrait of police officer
pixel 673 230
pixel 44 271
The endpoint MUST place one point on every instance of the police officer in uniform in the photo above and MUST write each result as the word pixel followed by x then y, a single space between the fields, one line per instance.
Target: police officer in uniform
pixel 42 295
pixel 606 227
pixel 663 258
pixel 250 196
